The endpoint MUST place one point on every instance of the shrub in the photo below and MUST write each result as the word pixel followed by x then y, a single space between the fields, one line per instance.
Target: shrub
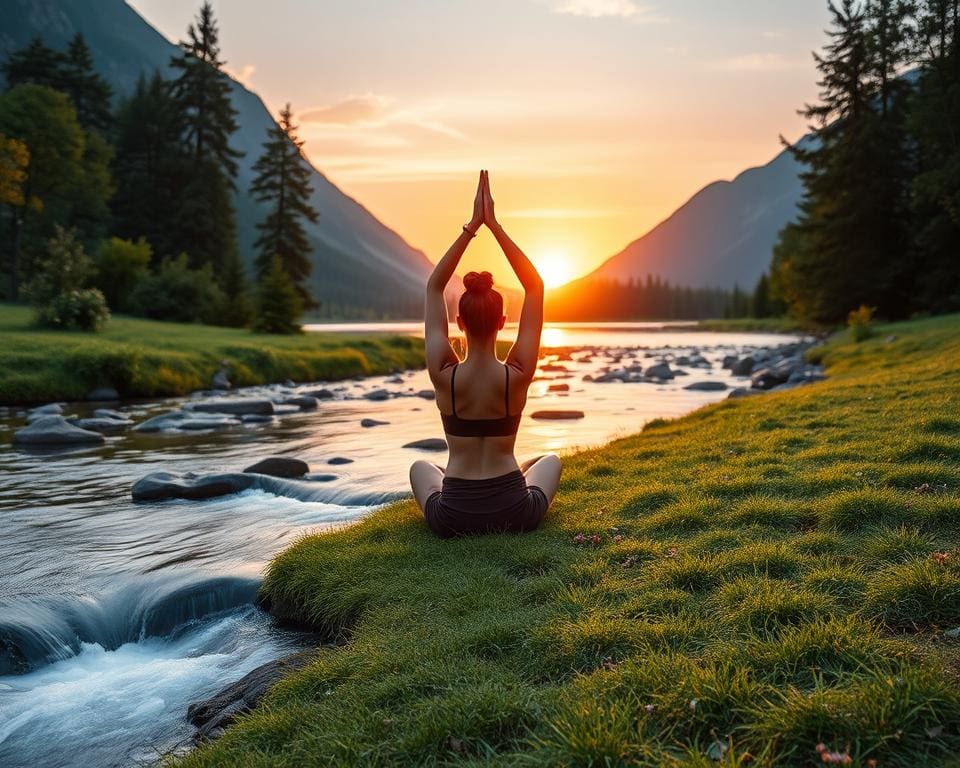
pixel 57 286
pixel 860 322
pixel 120 266
pixel 178 293
pixel 82 310
pixel 278 305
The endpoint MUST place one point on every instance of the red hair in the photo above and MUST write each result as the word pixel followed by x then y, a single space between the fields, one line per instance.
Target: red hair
pixel 481 307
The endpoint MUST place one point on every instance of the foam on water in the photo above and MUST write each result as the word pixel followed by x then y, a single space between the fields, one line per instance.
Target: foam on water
pixel 106 708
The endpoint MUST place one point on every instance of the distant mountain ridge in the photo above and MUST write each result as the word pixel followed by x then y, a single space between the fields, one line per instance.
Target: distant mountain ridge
pixel 722 236
pixel 361 268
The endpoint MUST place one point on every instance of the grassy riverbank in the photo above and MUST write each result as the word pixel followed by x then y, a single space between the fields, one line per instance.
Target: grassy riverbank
pixel 145 358
pixel 769 573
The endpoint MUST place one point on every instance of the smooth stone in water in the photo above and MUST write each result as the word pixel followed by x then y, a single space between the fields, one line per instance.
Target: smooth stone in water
pixel 428 444
pixel 659 371
pixel 102 425
pixel 159 486
pixel 184 420
pixel 256 418
pixel 558 388
pixel 109 413
pixel 239 407
pixel 427 394
pixel 53 430
pixel 743 367
pixel 557 415
pixel 213 715
pixel 377 394
pixel 372 422
pixel 706 386
pixel 303 402
pixel 279 466
pixel 51 409
pixel 103 394
pixel 336 460
pixel 320 394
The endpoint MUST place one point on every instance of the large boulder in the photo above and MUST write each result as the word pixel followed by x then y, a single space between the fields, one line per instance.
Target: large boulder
pixel 237 407
pixel 428 444
pixel 279 466
pixel 213 715
pixel 158 486
pixel 52 431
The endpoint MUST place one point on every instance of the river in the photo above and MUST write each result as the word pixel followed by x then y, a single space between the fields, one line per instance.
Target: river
pixel 123 613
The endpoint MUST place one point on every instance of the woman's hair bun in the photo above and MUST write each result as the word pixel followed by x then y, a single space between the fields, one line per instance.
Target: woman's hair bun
pixel 478 282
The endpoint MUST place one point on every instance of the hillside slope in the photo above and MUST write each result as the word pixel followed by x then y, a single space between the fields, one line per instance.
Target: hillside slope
pixel 360 265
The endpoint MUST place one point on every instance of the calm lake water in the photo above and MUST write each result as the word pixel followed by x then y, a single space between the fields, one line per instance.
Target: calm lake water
pixel 127 612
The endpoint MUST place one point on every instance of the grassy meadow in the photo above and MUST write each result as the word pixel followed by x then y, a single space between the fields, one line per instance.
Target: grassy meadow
pixel 764 582
pixel 147 358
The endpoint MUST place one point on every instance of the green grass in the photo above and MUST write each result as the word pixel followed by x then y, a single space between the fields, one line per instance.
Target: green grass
pixel 145 358
pixel 779 582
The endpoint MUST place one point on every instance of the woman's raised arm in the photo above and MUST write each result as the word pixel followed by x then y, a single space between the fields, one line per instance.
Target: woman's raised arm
pixel 436 325
pixel 525 351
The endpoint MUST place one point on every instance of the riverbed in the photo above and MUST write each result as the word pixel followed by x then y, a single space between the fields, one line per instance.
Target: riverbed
pixel 116 615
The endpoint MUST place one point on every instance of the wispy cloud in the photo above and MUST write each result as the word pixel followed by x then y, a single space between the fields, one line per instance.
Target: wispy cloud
pixel 760 62
pixel 378 114
pixel 599 9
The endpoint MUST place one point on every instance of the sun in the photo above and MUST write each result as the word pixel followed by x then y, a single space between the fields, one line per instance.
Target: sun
pixel 554 267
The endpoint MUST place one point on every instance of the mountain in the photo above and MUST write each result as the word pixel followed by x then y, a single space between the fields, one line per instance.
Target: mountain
pixel 723 235
pixel 361 268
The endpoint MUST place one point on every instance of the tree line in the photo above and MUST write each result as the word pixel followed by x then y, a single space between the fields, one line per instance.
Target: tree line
pixel 608 299
pixel 130 208
pixel 879 222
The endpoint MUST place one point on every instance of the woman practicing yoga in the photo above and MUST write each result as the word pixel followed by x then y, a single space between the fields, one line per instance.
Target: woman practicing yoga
pixel 483 489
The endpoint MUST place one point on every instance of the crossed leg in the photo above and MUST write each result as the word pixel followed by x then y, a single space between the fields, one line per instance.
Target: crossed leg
pixel 543 472
pixel 425 480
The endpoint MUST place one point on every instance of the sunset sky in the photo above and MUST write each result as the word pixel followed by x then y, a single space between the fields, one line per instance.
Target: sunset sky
pixel 596 118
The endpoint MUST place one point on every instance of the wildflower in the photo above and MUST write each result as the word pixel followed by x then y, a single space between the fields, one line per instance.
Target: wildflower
pixel 629 562
pixel 618 538
pixel 649 707
pixel 672 552
pixel 940 558
pixel 595 540
pixel 924 488
pixel 579 538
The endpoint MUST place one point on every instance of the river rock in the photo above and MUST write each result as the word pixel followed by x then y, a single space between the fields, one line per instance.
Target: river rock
pixel 659 371
pixel 303 402
pixel 213 715
pixel 104 426
pixel 729 361
pixel 51 409
pixel 256 418
pixel 320 394
pixel 221 379
pixel 427 394
pixel 554 368
pixel 742 392
pixel 103 394
pixel 186 421
pixel 279 466
pixel 743 366
pixel 377 394
pixel 706 386
pixel 158 486
pixel 372 423
pixel 397 379
pixel 557 415
pixel 428 444
pixel 109 413
pixel 768 378
pixel 558 388
pixel 54 430
pixel 336 460
pixel 237 407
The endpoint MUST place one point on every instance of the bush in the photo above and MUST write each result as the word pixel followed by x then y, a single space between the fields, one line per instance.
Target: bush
pixel 120 266
pixel 278 305
pixel 57 286
pixel 860 322
pixel 83 310
pixel 177 293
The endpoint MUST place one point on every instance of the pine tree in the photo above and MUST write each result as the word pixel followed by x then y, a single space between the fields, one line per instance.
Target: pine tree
pixel 205 221
pixel 35 64
pixel 934 118
pixel 838 259
pixel 148 167
pixel 278 304
pixel 88 91
pixel 283 182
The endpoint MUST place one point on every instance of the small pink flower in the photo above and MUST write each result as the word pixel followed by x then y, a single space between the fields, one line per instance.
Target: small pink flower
pixel 650 707
pixel 579 538
pixel 672 552
pixel 595 540
pixel 618 538
pixel 821 748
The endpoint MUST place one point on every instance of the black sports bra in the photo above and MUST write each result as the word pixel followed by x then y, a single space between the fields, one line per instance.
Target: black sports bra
pixel 505 426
